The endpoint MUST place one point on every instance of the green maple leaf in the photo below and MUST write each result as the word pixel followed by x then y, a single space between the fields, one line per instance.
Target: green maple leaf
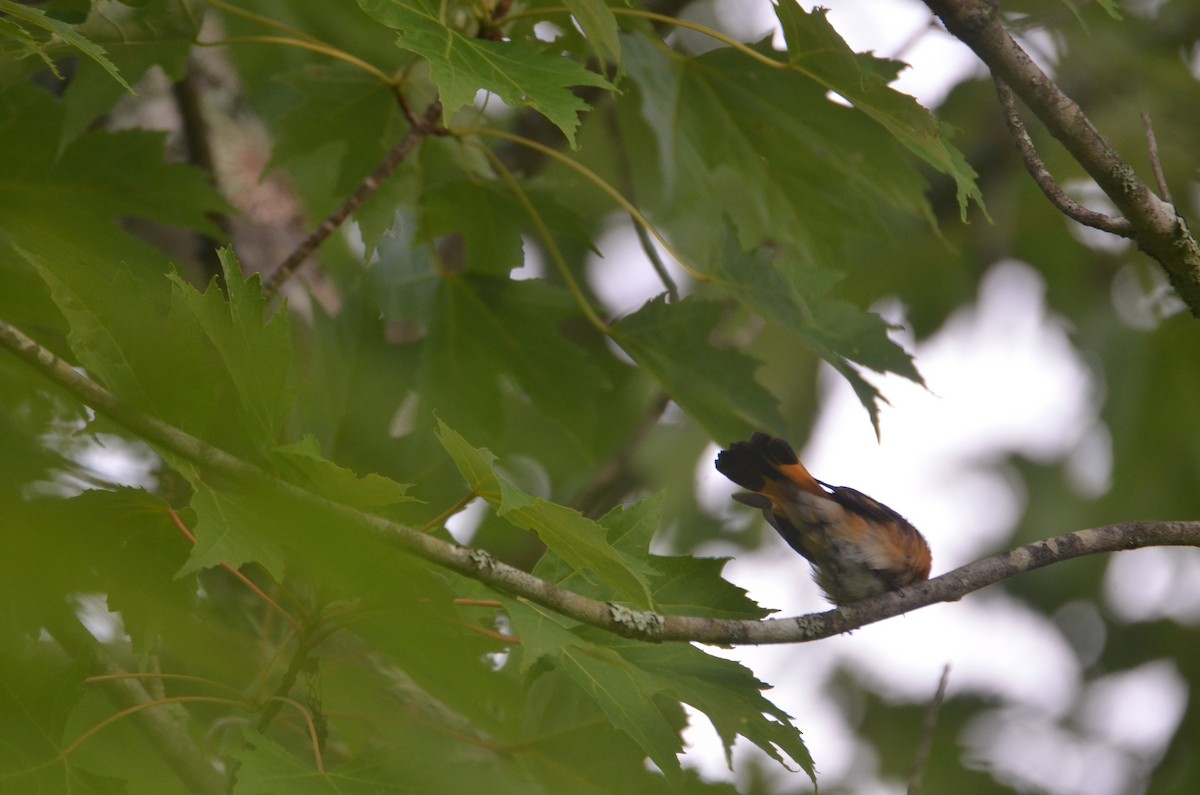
pixel 631 681
pixel 338 105
pixel 72 204
pixel 142 36
pixel 815 49
pixel 724 690
pixel 577 540
pixel 796 298
pixel 716 387
pixel 681 584
pixel 235 527
pixel 487 336
pixel 333 481
pixel 767 149
pixel 257 355
pixel 518 72
pixel 599 24
pixel 54 29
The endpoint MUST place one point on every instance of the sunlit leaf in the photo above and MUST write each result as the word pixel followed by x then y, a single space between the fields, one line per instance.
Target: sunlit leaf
pixel 818 51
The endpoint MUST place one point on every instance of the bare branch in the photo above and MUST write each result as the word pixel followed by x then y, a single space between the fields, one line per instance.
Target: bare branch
pixel 1033 164
pixel 200 153
pixel 643 625
pixel 159 725
pixel 926 746
pixel 601 490
pixel 421 127
pixel 949 587
pixel 1158 229
pixel 1155 163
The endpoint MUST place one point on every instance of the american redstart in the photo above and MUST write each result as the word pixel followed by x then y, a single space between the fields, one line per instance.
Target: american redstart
pixel 857 547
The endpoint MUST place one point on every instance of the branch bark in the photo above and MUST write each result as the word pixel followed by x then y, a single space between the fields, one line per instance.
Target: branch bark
pixel 159 724
pixel 477 564
pixel 1157 227
pixel 1041 175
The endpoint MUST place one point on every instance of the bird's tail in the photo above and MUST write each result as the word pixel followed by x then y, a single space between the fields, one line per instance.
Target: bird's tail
pixel 763 461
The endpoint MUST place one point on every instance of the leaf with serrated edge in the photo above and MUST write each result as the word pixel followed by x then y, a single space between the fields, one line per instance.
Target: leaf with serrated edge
pixel 257 354
pixel 716 387
pixel 228 530
pixel 67 33
pixel 519 73
pixel 599 24
pixel 339 483
pixel 796 299
pixel 817 50
pixel 493 334
pixel 579 541
pixel 768 149
pixel 724 690
pixel 476 464
pixel 628 700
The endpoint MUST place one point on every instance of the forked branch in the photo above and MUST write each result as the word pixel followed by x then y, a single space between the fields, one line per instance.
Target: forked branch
pixel 1157 228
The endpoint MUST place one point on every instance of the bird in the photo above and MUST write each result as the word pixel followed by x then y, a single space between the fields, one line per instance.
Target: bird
pixel 857 547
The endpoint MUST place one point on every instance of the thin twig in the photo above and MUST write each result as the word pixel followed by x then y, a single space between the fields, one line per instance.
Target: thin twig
pixel 312 729
pixel 478 603
pixel 926 746
pixel 1041 175
pixel 629 188
pixel 491 634
pixel 593 497
pixel 439 520
pixel 1155 163
pixel 427 125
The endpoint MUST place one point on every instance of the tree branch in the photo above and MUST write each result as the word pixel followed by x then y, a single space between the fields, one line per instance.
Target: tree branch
pixel 159 725
pixel 1157 228
pixel 949 587
pixel 1041 175
pixel 479 565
